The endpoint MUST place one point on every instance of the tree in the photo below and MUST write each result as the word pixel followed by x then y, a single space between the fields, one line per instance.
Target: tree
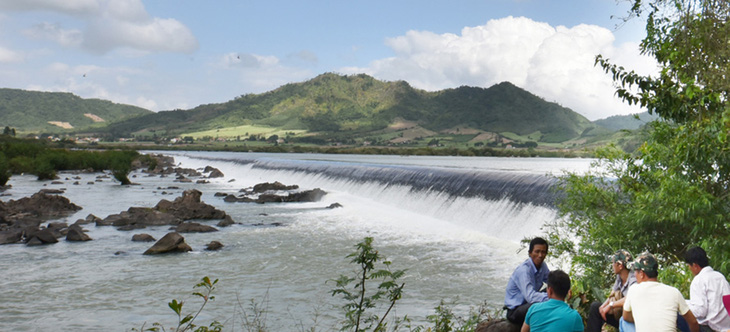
pixel 674 190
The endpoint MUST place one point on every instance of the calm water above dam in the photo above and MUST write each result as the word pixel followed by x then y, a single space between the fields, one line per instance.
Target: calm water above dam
pixel 454 223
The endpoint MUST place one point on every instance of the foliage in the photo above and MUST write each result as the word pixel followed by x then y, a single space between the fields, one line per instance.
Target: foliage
pixel 30 111
pixel 634 121
pixel 360 300
pixel 186 322
pixel 445 320
pixel 44 159
pixel 673 191
pixel 359 106
pixel 4 169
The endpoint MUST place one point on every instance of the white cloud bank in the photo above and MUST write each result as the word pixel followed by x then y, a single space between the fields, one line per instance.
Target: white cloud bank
pixel 109 25
pixel 556 63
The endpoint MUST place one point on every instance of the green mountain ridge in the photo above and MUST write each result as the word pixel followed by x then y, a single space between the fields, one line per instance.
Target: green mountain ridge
pixel 355 105
pixel 31 111
pixel 630 122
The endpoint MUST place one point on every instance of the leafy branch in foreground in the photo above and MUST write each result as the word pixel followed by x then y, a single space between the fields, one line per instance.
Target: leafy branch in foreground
pixel 186 323
pixel 360 299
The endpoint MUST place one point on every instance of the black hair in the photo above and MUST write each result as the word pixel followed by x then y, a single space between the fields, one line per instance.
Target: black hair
pixel 537 240
pixel 559 281
pixel 698 256
pixel 651 273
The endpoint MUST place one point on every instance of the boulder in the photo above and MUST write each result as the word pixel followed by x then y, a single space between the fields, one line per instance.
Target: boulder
pixel 334 206
pixel 497 325
pixel 138 216
pixel 171 242
pixel 75 233
pixel 313 195
pixel 214 245
pixel 227 221
pixel 42 205
pixel 216 173
pixel 11 236
pixel 193 227
pixel 44 236
pixel 189 206
pixel 268 186
pixel 143 237
pixel 88 220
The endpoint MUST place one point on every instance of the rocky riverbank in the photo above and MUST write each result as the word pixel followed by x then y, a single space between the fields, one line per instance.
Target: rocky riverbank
pixel 23 221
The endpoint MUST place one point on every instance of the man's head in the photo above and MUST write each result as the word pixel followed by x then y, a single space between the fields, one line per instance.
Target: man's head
pixel 697 259
pixel 538 250
pixel 646 267
pixel 558 285
pixel 621 259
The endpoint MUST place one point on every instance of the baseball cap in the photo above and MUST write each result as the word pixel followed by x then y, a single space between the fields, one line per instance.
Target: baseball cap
pixel 623 256
pixel 646 262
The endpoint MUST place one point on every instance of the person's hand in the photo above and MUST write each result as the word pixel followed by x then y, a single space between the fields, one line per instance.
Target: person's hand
pixel 604 309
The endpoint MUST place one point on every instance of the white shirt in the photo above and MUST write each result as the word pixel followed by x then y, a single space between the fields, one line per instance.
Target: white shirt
pixel 655 306
pixel 705 299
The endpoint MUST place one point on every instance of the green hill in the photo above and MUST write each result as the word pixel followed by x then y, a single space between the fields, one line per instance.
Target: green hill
pixel 630 122
pixel 358 105
pixel 57 112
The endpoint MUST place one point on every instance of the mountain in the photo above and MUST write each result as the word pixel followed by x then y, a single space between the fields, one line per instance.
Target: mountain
pixel 55 112
pixel 630 122
pixel 358 105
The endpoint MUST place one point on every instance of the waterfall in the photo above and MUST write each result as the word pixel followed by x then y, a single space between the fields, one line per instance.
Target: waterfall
pixel 505 205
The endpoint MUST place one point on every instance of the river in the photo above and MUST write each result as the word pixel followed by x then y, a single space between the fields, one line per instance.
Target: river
pixel 454 223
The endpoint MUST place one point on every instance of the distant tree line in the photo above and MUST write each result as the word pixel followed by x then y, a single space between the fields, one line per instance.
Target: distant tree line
pixel 44 158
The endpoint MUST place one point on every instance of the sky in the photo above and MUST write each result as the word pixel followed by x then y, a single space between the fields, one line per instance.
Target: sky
pixel 178 54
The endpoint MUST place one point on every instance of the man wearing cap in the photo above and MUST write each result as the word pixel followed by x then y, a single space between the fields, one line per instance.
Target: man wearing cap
pixel 652 306
pixel 525 284
pixel 554 315
pixel 610 311
pixel 706 291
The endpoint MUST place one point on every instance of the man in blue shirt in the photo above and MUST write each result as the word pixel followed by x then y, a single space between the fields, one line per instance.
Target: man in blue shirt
pixel 554 315
pixel 526 282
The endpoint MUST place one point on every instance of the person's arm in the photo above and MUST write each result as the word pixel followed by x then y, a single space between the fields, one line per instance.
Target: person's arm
pixel 628 316
pixel 525 328
pixel 691 321
pixel 606 308
pixel 698 302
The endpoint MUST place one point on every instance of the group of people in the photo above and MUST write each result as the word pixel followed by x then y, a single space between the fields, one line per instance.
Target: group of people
pixel 535 296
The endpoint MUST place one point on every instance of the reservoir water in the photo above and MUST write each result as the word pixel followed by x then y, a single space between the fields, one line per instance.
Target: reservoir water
pixel 454 223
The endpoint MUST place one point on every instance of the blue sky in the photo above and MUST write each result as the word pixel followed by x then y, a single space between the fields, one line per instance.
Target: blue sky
pixel 170 54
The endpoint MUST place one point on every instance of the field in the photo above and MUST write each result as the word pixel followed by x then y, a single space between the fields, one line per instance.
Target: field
pixel 243 132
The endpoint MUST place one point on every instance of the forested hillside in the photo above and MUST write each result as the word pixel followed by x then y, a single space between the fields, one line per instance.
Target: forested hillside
pixel 359 104
pixel 54 112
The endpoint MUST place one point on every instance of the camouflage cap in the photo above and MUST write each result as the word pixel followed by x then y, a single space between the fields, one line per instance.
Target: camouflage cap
pixel 646 262
pixel 622 256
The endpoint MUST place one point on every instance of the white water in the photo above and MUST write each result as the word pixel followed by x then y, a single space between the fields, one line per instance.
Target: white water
pixel 459 248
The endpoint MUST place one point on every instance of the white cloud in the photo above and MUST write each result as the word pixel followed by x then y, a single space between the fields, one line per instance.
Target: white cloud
pixel 73 7
pixel 108 25
pixel 248 60
pixel 54 32
pixel 8 55
pixel 154 35
pixel 556 63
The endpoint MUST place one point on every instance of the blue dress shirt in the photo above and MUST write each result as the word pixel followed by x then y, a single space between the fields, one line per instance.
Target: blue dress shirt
pixel 525 283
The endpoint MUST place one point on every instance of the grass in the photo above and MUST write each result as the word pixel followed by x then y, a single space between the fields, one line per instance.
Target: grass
pixel 243 132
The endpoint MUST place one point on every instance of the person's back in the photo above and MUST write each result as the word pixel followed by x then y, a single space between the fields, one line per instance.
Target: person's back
pixel 651 305
pixel 655 306
pixel 706 291
pixel 554 315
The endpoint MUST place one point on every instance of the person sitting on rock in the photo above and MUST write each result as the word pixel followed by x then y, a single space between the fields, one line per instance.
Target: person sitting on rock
pixel 610 311
pixel 554 315
pixel 525 284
